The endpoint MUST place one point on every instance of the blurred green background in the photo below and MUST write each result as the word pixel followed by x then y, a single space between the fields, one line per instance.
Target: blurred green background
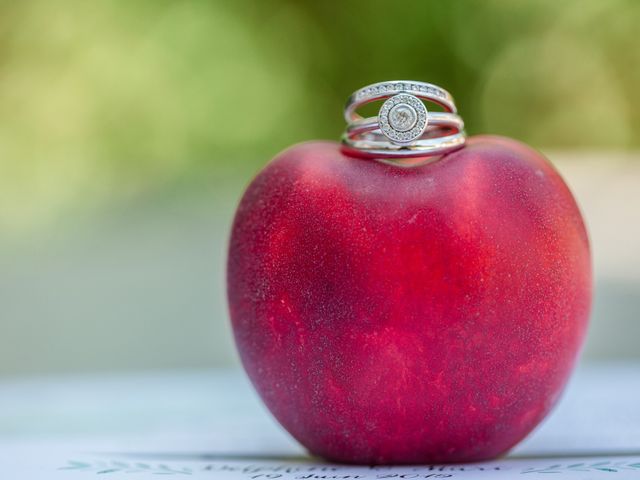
pixel 128 131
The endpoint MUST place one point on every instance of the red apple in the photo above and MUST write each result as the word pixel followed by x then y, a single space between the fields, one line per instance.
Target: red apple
pixel 409 315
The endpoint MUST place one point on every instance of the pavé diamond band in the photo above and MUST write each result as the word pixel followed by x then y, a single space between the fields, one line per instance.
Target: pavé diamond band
pixel 403 127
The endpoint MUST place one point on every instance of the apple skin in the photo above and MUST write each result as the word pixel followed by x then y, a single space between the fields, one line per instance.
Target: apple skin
pixel 391 315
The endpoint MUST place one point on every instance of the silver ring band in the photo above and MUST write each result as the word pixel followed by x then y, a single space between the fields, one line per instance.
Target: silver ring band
pixel 436 119
pixel 374 148
pixel 384 90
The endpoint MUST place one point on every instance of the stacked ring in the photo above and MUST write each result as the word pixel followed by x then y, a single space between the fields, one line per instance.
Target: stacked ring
pixel 403 127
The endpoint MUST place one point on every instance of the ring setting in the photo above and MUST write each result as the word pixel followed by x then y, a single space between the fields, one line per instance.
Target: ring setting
pixel 403 118
pixel 403 127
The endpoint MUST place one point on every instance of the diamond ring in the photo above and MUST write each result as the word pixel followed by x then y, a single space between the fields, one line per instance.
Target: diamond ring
pixel 403 127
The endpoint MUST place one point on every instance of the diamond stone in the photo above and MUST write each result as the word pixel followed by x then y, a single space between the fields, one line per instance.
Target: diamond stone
pixel 402 117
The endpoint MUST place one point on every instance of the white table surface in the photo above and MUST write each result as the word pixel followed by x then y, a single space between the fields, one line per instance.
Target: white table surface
pixel 210 424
